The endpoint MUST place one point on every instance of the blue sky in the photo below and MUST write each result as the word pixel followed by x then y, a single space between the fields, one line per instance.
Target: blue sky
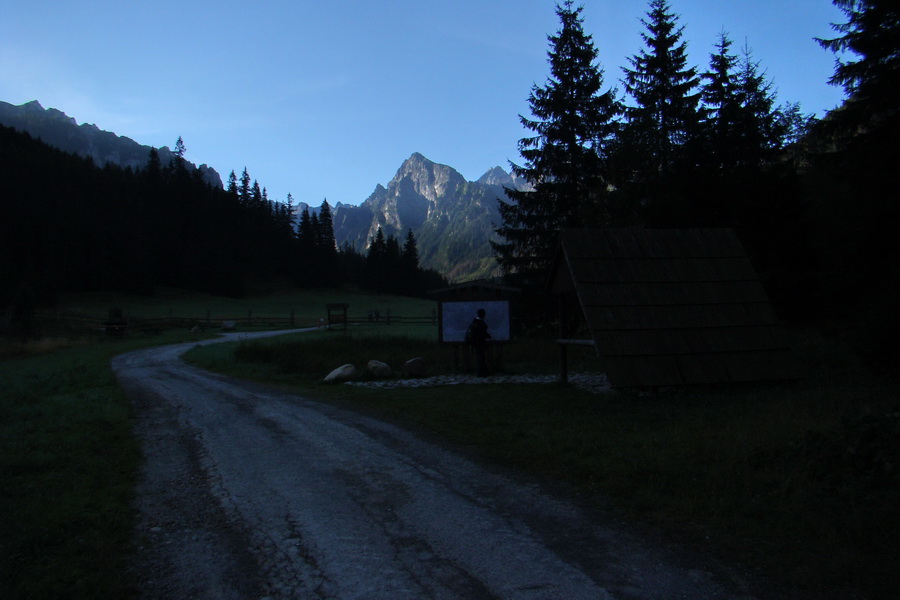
pixel 327 99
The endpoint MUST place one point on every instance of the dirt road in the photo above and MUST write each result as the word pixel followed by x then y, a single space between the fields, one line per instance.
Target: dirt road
pixel 250 492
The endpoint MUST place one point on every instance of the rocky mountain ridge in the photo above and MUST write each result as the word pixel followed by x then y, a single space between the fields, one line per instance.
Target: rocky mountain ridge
pixel 453 219
pixel 55 128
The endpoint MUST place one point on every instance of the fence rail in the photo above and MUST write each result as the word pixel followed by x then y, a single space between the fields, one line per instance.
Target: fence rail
pixel 89 323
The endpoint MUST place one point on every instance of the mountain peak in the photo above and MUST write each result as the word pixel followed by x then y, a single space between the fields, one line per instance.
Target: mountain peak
pixel 33 106
pixel 496 176
pixel 427 178
pixel 417 157
pixel 452 219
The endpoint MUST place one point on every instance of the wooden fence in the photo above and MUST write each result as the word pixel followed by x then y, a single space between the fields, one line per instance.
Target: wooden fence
pixel 121 325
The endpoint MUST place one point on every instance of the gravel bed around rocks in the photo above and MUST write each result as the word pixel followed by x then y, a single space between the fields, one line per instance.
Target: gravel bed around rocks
pixel 591 382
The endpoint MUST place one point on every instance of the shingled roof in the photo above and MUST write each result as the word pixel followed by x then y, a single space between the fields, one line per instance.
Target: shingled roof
pixel 672 307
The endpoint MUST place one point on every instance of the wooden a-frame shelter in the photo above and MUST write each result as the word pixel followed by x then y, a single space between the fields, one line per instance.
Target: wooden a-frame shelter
pixel 667 307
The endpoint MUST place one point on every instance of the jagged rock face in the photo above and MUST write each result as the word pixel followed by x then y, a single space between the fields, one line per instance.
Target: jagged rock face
pixel 55 128
pixel 496 176
pixel 429 180
pixel 453 219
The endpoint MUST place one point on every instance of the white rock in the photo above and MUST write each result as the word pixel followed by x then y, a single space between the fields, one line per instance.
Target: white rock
pixel 342 373
pixel 414 367
pixel 378 369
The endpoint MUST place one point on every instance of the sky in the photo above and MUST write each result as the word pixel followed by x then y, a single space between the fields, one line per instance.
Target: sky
pixel 325 100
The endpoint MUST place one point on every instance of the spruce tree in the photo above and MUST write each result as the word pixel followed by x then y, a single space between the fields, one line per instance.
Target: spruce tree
pixel 178 165
pixel 565 161
pixel 409 264
pixel 306 235
pixel 154 167
pixel 306 247
pixel 722 107
pixel 232 187
pixel 766 127
pixel 326 250
pixel 857 175
pixel 410 253
pixel 376 260
pixel 256 197
pixel 326 228
pixel 663 121
pixel 244 188
pixel 871 36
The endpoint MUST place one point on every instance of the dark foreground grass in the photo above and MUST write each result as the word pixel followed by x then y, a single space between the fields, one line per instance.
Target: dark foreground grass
pixel 68 464
pixel 800 481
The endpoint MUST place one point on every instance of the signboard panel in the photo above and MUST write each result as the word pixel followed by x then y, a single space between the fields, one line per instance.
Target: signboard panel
pixel 456 317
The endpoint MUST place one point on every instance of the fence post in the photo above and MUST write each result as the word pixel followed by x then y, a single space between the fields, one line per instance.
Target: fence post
pixel 292 317
pixel 389 316
pixel 207 317
pixel 249 317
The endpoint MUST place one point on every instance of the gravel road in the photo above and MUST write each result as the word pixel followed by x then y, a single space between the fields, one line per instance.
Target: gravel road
pixel 250 492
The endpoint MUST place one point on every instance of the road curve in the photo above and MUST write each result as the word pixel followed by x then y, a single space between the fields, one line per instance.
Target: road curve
pixel 250 492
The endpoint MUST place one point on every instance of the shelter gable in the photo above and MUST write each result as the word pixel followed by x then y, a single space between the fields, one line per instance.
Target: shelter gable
pixel 672 307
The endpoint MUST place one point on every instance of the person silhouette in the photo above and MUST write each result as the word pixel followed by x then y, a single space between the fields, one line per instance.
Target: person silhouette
pixel 478 335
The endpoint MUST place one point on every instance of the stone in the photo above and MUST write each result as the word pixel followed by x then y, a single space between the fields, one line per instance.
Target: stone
pixel 228 325
pixel 342 373
pixel 414 367
pixel 379 370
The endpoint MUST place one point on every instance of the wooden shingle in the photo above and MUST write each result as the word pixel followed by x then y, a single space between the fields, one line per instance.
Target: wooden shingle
pixel 672 307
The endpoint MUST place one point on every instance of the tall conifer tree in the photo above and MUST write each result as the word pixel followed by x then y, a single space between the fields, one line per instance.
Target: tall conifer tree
pixel 663 120
pixel 326 228
pixel 326 250
pixel 871 37
pixel 722 112
pixel 244 188
pixel 565 161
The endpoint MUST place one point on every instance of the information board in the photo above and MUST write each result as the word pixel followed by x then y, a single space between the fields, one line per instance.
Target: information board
pixel 456 317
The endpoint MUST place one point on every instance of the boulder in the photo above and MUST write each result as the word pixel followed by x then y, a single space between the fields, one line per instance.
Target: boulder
pixel 379 370
pixel 414 367
pixel 342 373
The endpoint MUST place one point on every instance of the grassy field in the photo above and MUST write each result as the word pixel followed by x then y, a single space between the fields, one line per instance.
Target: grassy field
pixel 797 481
pixel 68 464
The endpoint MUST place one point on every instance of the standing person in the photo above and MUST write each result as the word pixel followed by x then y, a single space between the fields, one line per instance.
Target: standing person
pixel 477 335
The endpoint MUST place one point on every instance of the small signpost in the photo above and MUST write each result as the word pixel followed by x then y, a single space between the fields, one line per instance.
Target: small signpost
pixel 116 324
pixel 337 314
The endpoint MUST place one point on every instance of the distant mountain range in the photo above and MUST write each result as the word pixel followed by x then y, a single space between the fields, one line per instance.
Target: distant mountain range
pixel 453 219
pixel 55 128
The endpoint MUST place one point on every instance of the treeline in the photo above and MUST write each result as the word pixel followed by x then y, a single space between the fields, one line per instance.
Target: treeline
pixel 813 201
pixel 385 268
pixel 67 225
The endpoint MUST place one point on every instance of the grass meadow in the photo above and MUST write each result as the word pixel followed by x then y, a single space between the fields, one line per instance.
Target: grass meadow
pixel 799 482
pixel 68 466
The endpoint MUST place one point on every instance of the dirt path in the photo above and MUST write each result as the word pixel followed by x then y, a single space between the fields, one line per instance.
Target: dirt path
pixel 249 492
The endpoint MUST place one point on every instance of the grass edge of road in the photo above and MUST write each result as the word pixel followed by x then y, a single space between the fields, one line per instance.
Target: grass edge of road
pixel 69 463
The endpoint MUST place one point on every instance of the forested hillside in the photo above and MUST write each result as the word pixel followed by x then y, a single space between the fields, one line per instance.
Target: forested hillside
pixel 66 224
